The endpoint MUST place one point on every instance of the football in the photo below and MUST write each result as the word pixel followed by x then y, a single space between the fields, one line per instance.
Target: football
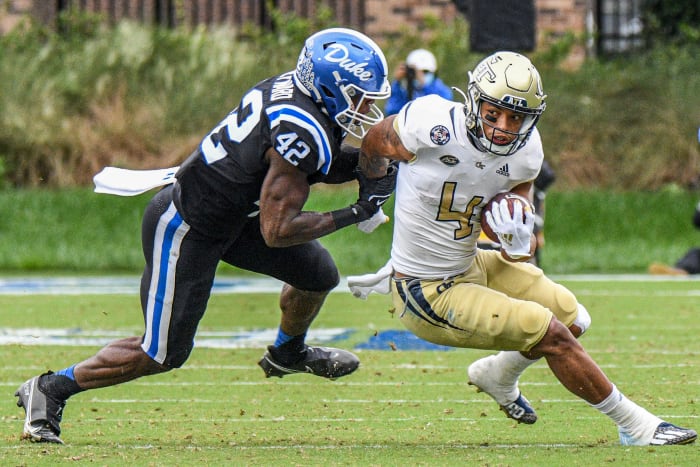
pixel 510 197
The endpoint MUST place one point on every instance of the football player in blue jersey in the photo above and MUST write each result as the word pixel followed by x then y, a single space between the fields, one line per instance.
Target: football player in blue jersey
pixel 239 198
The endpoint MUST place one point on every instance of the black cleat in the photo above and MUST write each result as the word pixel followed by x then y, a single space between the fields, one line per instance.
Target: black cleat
pixel 42 413
pixel 326 362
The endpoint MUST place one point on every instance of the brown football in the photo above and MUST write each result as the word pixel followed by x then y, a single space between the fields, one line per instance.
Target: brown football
pixel 510 197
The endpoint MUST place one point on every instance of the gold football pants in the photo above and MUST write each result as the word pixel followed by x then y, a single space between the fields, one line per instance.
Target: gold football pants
pixel 495 305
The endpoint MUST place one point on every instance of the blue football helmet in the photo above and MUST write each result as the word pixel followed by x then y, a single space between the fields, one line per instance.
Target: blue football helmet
pixel 341 69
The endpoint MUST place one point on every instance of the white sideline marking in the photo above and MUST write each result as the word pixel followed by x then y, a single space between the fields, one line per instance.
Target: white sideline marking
pixel 240 339
pixel 123 285
pixel 225 285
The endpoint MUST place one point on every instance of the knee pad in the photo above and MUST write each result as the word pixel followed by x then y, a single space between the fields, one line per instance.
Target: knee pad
pixel 583 319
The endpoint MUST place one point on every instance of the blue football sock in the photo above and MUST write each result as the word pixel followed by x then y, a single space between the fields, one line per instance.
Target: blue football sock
pixel 282 338
pixel 67 372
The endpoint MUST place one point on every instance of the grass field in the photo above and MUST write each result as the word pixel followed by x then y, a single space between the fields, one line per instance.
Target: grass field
pixel 400 407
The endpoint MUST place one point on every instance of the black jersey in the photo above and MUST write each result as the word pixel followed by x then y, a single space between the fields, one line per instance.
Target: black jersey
pixel 218 187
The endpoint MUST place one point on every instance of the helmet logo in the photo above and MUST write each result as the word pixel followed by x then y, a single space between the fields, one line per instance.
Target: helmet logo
pixel 338 53
pixel 484 71
pixel 305 71
pixel 514 101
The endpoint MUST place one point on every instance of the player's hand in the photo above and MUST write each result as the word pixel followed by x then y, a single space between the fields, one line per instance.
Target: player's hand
pixel 376 191
pixel 369 225
pixel 514 233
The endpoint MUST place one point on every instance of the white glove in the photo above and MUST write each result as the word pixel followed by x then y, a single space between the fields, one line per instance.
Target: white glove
pixel 368 226
pixel 514 233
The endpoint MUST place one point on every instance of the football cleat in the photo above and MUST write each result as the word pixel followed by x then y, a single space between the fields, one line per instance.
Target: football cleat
pixel 42 413
pixel 481 375
pixel 320 361
pixel 520 410
pixel 665 434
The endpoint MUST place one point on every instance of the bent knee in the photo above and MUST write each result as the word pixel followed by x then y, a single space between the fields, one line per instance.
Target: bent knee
pixel 557 340
pixel 582 321
pixel 566 306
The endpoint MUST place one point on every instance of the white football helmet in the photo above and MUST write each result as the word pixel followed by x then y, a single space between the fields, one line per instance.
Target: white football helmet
pixel 510 81
pixel 341 68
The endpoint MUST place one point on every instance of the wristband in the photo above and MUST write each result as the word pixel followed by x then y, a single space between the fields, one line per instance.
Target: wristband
pixel 346 216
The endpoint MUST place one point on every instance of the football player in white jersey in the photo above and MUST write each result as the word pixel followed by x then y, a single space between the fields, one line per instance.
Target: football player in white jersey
pixel 454 158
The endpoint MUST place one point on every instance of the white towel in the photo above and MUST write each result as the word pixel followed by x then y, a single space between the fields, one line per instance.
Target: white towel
pixel 125 182
pixel 379 282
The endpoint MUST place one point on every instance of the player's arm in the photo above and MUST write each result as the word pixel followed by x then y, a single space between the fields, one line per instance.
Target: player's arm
pixel 342 170
pixel 380 144
pixel 524 190
pixel 283 195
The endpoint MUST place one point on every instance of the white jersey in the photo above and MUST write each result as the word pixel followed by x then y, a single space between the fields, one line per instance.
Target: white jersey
pixel 440 193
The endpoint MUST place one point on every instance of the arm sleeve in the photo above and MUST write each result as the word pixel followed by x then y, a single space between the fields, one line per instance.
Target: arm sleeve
pixel 415 120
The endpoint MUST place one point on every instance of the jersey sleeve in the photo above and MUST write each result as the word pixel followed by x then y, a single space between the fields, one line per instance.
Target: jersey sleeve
pixel 533 155
pixel 300 138
pixel 419 122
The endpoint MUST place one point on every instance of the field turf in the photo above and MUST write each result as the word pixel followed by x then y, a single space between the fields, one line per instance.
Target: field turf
pixel 409 407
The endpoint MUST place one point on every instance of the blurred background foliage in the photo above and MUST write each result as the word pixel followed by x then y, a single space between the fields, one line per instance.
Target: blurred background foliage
pixel 82 96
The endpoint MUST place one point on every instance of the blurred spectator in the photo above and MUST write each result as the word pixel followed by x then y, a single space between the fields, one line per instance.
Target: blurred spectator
pixel 415 78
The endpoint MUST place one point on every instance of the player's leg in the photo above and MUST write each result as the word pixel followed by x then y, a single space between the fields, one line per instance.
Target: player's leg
pixel 174 257
pixel 309 274
pixel 577 371
pixel 461 313
pixel 522 281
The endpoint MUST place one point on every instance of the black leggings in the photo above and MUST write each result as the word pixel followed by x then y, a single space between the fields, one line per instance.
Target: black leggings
pixel 181 263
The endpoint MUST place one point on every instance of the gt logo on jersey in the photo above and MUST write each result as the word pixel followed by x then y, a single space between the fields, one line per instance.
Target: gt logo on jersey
pixel 439 135
pixel 291 147
pixel 449 160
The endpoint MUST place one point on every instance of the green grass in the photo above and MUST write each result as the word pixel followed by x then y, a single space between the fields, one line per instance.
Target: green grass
pixel 400 407
pixel 81 232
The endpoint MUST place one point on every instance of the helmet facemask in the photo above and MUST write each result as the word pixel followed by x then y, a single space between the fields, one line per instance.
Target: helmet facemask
pixel 351 119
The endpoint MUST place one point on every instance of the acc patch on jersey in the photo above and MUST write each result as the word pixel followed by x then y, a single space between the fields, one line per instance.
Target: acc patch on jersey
pixel 439 135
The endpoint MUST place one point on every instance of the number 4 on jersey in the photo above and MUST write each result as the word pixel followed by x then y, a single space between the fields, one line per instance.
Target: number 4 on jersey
pixel 446 213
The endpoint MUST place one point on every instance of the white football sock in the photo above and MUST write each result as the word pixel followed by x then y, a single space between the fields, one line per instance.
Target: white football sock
pixel 510 365
pixel 629 417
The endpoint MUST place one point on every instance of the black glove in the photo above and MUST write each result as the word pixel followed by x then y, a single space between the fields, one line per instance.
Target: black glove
pixel 373 193
pixel 376 191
